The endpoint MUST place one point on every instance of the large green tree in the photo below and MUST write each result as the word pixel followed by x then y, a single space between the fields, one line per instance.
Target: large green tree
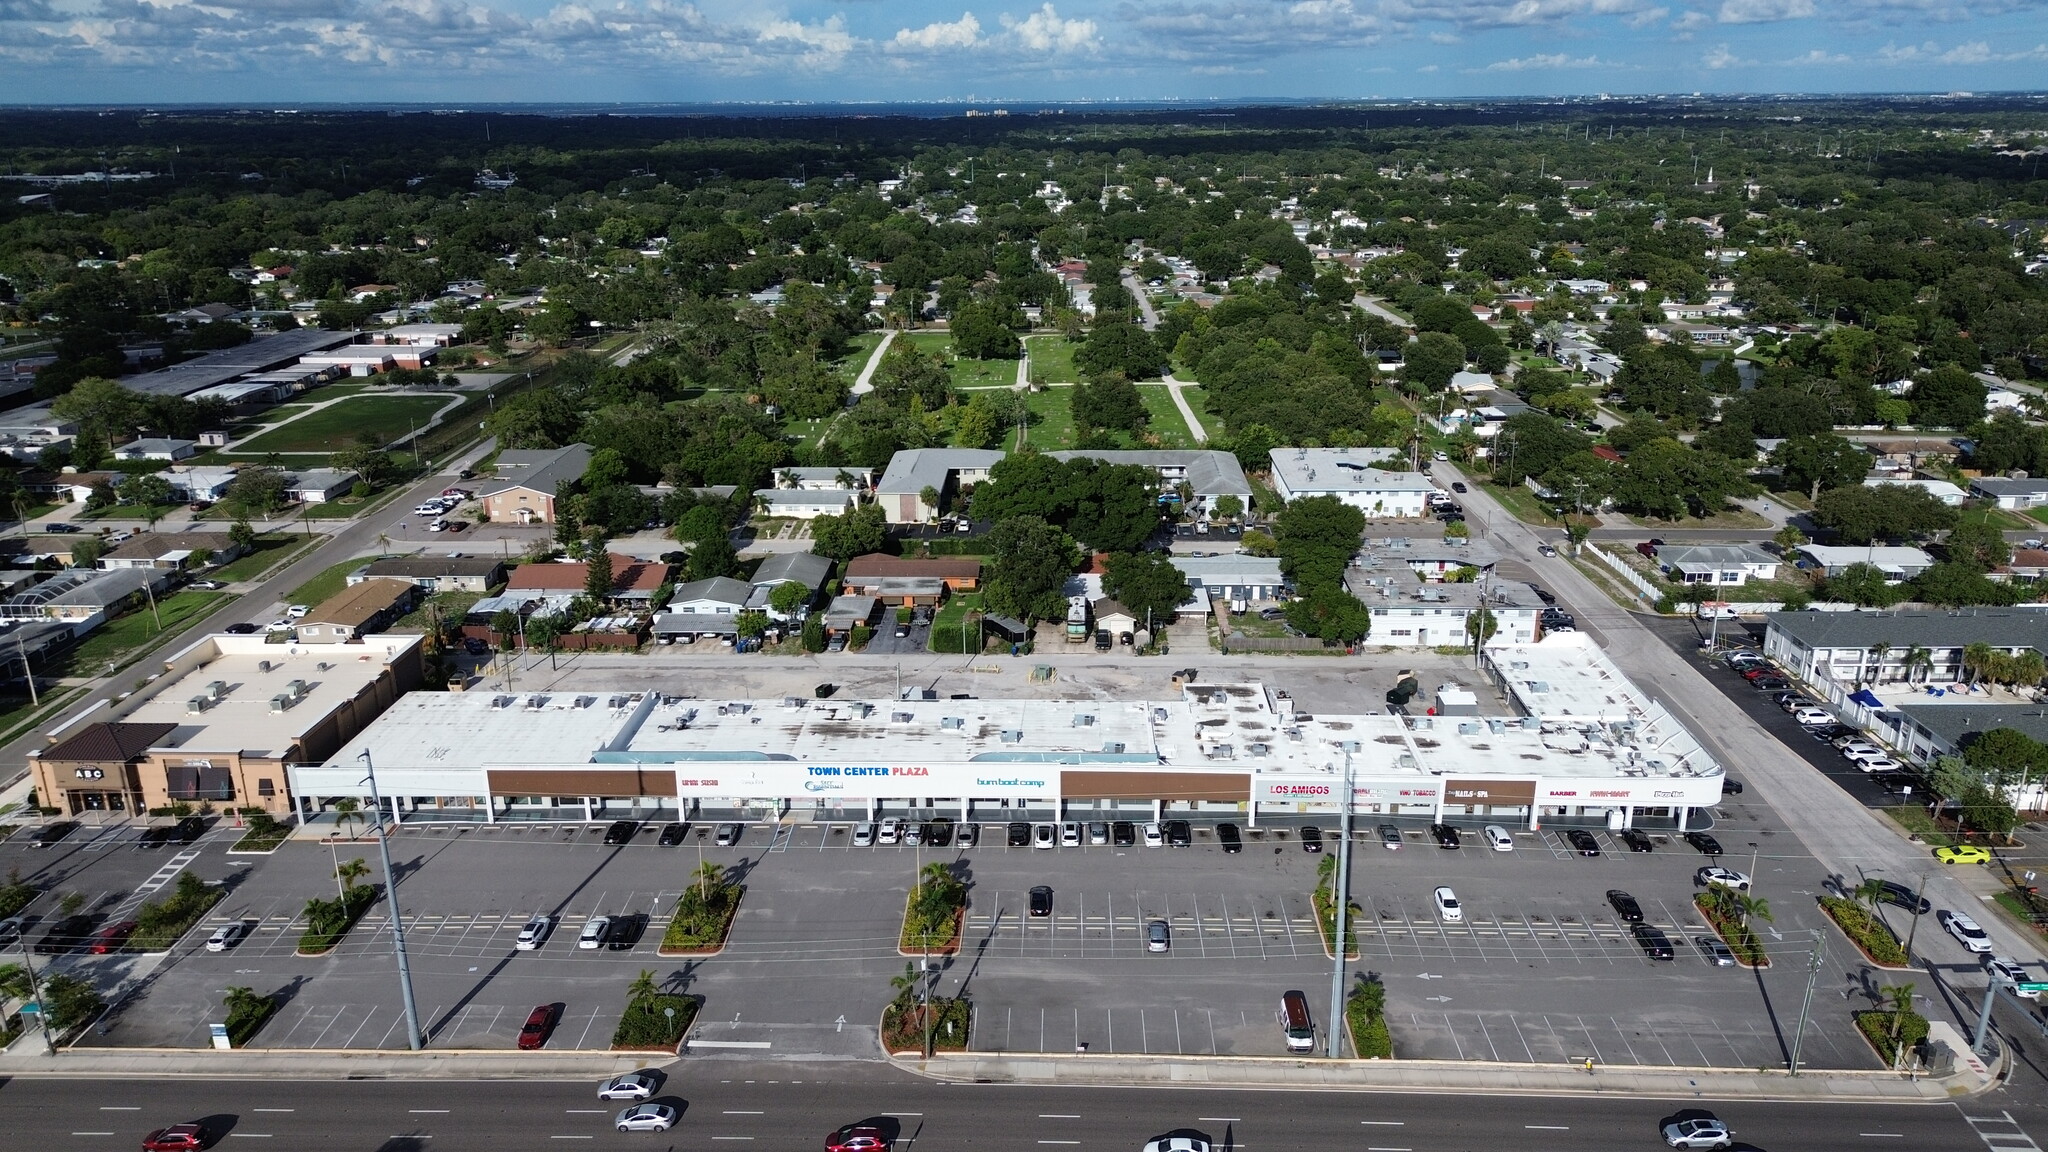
pixel 1813 463
pixel 855 533
pixel 1028 564
pixel 1859 515
pixel 1318 536
pixel 1145 582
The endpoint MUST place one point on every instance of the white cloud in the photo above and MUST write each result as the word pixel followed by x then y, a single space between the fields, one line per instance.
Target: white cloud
pixel 1764 11
pixel 1689 20
pixel 1720 57
pixel 1547 62
pixel 1975 52
pixel 1045 31
pixel 962 33
pixel 1646 18
pixel 1241 29
pixel 1817 58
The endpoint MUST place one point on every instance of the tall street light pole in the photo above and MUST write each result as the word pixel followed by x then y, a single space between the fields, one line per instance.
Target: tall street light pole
pixel 1342 882
pixel 412 1012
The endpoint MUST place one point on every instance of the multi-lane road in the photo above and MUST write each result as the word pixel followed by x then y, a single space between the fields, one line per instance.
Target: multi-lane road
pixel 793 1106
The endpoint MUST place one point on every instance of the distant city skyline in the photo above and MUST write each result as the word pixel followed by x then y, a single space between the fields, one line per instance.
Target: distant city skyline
pixel 170 51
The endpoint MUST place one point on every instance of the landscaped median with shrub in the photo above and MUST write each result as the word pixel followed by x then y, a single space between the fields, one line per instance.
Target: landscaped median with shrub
pixel 1866 931
pixel 654 1021
pixel 1326 910
pixel 265 832
pixel 16 894
pixel 1723 911
pixel 1365 1010
pixel 158 925
pixel 703 914
pixel 247 1012
pixel 907 1023
pixel 327 921
pixel 933 912
pixel 1877 1027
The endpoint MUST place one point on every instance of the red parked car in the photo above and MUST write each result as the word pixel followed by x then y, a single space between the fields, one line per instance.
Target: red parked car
pixel 857 1138
pixel 538 1025
pixel 1759 672
pixel 110 938
pixel 176 1138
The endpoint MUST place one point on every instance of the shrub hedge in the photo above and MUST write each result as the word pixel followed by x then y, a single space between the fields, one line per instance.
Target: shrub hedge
pixel 646 1024
pixel 903 1025
pixel 1876 1026
pixel 158 925
pixel 1866 931
pixel 327 921
pixel 703 914
pixel 1721 912
pixel 1365 1010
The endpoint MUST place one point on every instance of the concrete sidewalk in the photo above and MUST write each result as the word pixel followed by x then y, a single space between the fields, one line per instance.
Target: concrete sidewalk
pixel 26 1057
pixel 1070 1070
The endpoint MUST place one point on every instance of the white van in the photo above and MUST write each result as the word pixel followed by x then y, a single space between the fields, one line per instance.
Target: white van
pixel 1296 1023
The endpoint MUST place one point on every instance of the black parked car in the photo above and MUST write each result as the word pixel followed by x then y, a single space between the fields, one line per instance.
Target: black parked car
pixel 1446 836
pixel 1546 597
pixel 1625 906
pixel 1583 841
pixel 189 830
pixel 66 935
pixel 1634 838
pixel 938 833
pixel 1018 834
pixel 1707 845
pixel 49 834
pixel 1178 834
pixel 1896 894
pixel 1770 684
pixel 1123 834
pixel 1228 836
pixel 1655 944
pixel 1730 786
pixel 475 647
pixel 621 831
pixel 623 932
pixel 673 834
pixel 1041 901
pixel 1311 839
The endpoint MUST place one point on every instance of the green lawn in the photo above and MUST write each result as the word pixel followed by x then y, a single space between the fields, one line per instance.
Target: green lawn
pixel 984 373
pixel 1052 419
pixel 446 607
pixel 328 583
pixel 1052 360
pixel 1166 422
pixel 1522 503
pixel 272 549
pixel 278 414
pixel 1198 399
pixel 336 426
pixel 928 342
pixel 112 643
pixel 2039 515
pixel 858 350
pixel 1998 518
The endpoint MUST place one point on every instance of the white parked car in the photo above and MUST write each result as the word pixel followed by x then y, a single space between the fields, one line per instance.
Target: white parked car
pixel 535 932
pixel 1858 749
pixel 892 831
pixel 1880 764
pixel 1965 930
pixel 1070 835
pixel 1044 836
pixel 297 611
pixel 1498 838
pixel 1447 907
pixel 1813 717
pixel 1713 875
pixel 1155 837
pixel 594 931
pixel 863 835
pixel 226 936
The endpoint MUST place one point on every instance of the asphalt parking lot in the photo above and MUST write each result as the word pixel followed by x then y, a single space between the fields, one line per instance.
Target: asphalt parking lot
pixel 815 945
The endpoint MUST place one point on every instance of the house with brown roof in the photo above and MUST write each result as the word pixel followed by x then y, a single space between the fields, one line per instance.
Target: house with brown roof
pixel 171 551
pixel 634 581
pixel 357 611
pixel 439 574
pixel 94 770
pixel 910 583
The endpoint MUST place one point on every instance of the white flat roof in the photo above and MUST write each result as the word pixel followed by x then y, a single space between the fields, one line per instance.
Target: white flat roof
pixel 1565 679
pixel 243 718
pixel 484 729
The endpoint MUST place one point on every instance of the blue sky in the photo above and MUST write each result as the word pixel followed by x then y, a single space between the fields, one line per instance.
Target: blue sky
pixel 164 51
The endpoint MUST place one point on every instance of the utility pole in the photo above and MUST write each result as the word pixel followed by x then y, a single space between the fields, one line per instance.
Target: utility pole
pixel 1814 963
pixel 413 1039
pixel 1342 895
pixel 35 993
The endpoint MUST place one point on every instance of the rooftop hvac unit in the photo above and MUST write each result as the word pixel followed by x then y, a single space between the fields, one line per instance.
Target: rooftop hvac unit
pixel 502 702
pixel 536 703
pixel 1349 745
pixel 901 717
pixel 280 702
pixel 1012 736
pixel 296 688
pixel 585 701
pixel 1496 725
pixel 1114 747
pixel 263 665
pixel 1468 727
pixel 952 723
pixel 1084 720
pixel 322 666
pixel 1257 749
pixel 217 689
pixel 1223 752
pixel 619 702
pixel 197 704
pixel 793 702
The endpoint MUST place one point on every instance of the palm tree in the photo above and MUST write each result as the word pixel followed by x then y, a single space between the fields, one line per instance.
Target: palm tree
pixel 642 987
pixel 2028 668
pixel 1868 893
pixel 1918 662
pixel 243 1001
pixel 14 984
pixel 350 871
pixel 347 810
pixel 905 985
pixel 1976 661
pixel 1902 1003
pixel 1878 652
pixel 1749 908
pixel 710 878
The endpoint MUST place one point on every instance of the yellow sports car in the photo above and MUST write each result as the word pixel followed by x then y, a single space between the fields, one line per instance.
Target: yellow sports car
pixel 1963 854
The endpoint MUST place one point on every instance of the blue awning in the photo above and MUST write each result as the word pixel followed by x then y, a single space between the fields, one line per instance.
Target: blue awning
pixel 1868 699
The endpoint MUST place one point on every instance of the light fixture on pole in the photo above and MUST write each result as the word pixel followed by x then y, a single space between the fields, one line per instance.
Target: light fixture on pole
pixel 413 1039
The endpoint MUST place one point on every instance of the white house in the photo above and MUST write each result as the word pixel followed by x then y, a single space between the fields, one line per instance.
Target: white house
pixel 1898 564
pixel 803 503
pixel 1235 577
pixel 2014 494
pixel 156 449
pixel 1941 490
pixel 206 482
pixel 1729 565
pixel 718 596
pixel 1406 614
pixel 1353 477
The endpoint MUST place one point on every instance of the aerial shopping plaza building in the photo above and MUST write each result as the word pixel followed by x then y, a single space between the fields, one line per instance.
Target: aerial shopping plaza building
pixel 1583 745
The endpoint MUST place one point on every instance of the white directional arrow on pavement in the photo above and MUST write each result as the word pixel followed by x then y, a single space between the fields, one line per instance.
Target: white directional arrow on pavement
pixel 1439 999
pixel 1427 976
pixel 1775 934
pixel 839 1025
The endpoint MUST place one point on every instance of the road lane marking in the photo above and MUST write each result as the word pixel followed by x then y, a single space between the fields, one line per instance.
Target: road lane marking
pixel 1059 1116
pixel 1221 1119
pixel 1373 1148
pixel 417 1111
pixel 250 1135
pixel 731 1112
pixel 586 1111
pixel 1892 1135
pixel 732 1137
pixel 120 1107
pixel 92 1133
pixel 572 1137
pixel 1548 1127
pixel 730 1043
pixel 1059 1141
pixel 1385 1123
pixel 273 1109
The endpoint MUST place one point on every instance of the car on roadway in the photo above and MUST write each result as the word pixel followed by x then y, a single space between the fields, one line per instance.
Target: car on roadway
pixel 1230 838
pixel 621 831
pixel 1635 839
pixel 858 1138
pixel 1898 895
pixel 1017 834
pixel 110 938
pixel 2008 969
pixel 1714 951
pixel 1158 936
pixel 1446 836
pixel 1963 854
pixel 672 833
pixel 1044 836
pixel 1497 838
pixel 1390 837
pixel 534 1032
pixel 1155 837
pixel 1545 550
pixel 1458 486
pixel 1715 876
pixel 1966 931
pixel 1707 845
pixel 1447 907
pixel 227 936
pixel 1652 940
pixel 1177 1142
pixel 1041 900
pixel 1625 906
pixel 1582 841
pixel 728 835
pixel 1697 1132
pixel 1070 835
pixel 534 932
pixel 1123 833
pixel 645 1118
pixel 1311 839
pixel 176 1138
pixel 1178 834
pixel 863 835
pixel 594 931
pixel 629 1086
pixel 242 629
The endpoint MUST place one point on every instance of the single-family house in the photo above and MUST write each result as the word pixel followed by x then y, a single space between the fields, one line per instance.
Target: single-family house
pixel 527 482
pixel 803 503
pixel 865 574
pixel 205 482
pixel 318 485
pixel 901 489
pixel 84 597
pixel 1941 490
pixel 452 573
pixel 156 448
pixel 1724 565
pixel 1238 577
pixel 357 611
pixel 847 612
pixel 717 596
pixel 2016 493
pixel 77 487
pixel 634 581
pixel 1112 617
pixel 1209 474
pixel 807 569
pixel 171 551
pixel 1897 564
